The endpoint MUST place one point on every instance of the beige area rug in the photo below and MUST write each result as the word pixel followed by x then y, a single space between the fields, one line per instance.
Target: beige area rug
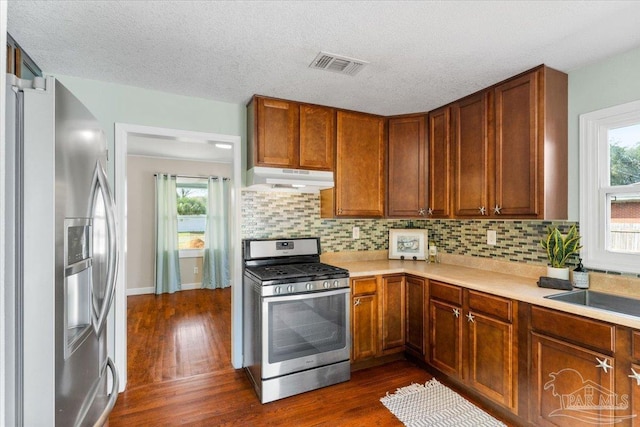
pixel 434 405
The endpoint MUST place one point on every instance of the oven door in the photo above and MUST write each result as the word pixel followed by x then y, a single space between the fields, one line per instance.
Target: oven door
pixel 304 331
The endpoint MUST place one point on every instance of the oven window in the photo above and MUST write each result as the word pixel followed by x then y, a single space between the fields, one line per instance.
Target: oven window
pixel 305 327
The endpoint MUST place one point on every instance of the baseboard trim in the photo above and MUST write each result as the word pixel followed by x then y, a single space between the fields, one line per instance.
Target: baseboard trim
pixel 152 289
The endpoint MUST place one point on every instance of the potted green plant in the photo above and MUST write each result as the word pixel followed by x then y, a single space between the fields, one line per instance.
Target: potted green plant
pixel 559 249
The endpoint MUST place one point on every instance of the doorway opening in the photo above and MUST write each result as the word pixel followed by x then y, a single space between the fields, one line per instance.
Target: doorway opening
pixel 177 145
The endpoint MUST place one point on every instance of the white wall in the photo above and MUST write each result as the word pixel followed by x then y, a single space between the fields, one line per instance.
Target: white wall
pixel 613 81
pixel 141 208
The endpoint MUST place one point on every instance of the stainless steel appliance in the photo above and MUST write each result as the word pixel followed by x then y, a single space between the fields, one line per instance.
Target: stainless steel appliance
pixel 296 335
pixel 65 257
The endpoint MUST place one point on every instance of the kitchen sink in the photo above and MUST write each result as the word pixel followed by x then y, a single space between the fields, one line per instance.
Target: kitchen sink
pixel 600 300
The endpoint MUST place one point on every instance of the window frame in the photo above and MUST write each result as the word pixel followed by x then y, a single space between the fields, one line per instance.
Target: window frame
pixel 595 186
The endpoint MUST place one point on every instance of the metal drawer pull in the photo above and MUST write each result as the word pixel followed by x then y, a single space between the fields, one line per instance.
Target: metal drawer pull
pixel 470 318
pixel 456 312
pixel 356 302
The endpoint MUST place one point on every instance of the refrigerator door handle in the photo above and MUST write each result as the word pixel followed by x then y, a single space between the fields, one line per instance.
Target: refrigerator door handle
pixel 101 188
pixel 113 396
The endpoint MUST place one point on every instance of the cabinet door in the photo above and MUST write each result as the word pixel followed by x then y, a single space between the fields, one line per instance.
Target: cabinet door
pixel 569 384
pixel 445 323
pixel 491 357
pixel 359 190
pixel 439 192
pixel 277 133
pixel 517 148
pixel 472 157
pixel 364 316
pixel 392 308
pixel 317 137
pixel 407 182
pixel 415 291
pixel 634 395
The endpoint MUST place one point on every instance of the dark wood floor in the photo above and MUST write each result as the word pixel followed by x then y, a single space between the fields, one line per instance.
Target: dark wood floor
pixel 180 374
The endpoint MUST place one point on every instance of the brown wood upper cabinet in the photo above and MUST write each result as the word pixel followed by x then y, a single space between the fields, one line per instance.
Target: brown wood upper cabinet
pixel 289 134
pixel 407 178
pixel 439 170
pixel 360 166
pixel 472 159
pixel 511 148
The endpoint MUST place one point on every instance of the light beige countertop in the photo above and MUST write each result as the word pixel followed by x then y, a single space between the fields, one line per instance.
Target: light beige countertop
pixel 511 280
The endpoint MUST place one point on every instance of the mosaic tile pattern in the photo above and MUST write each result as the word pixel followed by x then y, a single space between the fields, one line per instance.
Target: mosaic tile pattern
pixel 278 214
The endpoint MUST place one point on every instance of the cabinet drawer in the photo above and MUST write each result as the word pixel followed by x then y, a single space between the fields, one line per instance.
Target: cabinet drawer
pixel 489 304
pixel 364 285
pixel 445 292
pixel 573 328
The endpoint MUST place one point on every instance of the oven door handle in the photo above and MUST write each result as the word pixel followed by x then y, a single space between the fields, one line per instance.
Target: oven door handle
pixel 307 295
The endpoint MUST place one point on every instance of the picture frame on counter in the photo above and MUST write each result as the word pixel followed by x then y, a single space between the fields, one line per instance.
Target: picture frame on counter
pixel 410 244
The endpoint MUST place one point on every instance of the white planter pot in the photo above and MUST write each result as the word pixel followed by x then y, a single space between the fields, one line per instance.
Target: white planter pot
pixel 558 273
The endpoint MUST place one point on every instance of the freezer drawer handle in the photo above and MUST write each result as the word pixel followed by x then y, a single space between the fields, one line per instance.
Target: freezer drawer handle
pixel 113 395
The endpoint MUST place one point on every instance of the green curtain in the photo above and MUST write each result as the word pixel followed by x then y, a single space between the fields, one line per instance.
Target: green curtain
pixel 215 268
pixel 167 252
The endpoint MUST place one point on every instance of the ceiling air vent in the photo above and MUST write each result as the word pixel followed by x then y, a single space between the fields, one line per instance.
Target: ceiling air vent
pixel 337 63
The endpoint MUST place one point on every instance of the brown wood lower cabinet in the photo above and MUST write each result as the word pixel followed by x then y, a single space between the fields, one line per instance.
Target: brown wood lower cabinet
pixel 387 316
pixel 392 313
pixel 472 340
pixel 364 318
pixel 416 292
pixel 573 370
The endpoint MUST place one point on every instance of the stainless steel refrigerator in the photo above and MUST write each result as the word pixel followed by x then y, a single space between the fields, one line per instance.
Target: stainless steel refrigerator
pixel 62 226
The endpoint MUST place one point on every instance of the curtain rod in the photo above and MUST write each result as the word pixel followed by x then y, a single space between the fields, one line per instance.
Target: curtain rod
pixel 195 177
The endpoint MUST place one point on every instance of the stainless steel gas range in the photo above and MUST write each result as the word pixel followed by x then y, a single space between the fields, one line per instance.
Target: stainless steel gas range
pixel 296 317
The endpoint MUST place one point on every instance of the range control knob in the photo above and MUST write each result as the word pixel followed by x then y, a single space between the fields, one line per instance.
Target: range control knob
pixel 336 283
pixel 276 290
pixel 309 286
pixel 290 288
pixel 326 284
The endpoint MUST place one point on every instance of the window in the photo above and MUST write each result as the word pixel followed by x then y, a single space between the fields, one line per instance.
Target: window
pixel 610 188
pixel 192 215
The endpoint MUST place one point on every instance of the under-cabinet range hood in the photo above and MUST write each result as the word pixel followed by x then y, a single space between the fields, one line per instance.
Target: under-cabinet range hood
pixel 299 180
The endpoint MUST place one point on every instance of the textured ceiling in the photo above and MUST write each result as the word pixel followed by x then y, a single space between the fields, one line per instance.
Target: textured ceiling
pixel 422 54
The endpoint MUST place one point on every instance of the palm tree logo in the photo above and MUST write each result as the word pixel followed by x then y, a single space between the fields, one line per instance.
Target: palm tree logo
pixel 585 400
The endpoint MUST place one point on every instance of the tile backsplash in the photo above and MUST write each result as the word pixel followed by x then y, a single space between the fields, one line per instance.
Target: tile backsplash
pixel 279 214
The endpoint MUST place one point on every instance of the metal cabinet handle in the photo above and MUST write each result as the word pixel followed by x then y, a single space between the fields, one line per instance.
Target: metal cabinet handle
pixel 456 312
pixel 100 189
pixel 470 318
pixel 635 375
pixel 430 211
pixel 421 211
pixel 113 396
pixel 497 209
pixel 356 302
pixel 482 210
pixel 604 364
pixel 340 211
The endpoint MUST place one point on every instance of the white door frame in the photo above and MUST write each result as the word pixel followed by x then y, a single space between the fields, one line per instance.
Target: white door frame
pixel 119 309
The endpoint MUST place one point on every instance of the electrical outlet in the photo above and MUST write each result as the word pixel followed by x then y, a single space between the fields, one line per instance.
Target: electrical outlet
pixel 195 270
pixel 356 232
pixel 491 237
